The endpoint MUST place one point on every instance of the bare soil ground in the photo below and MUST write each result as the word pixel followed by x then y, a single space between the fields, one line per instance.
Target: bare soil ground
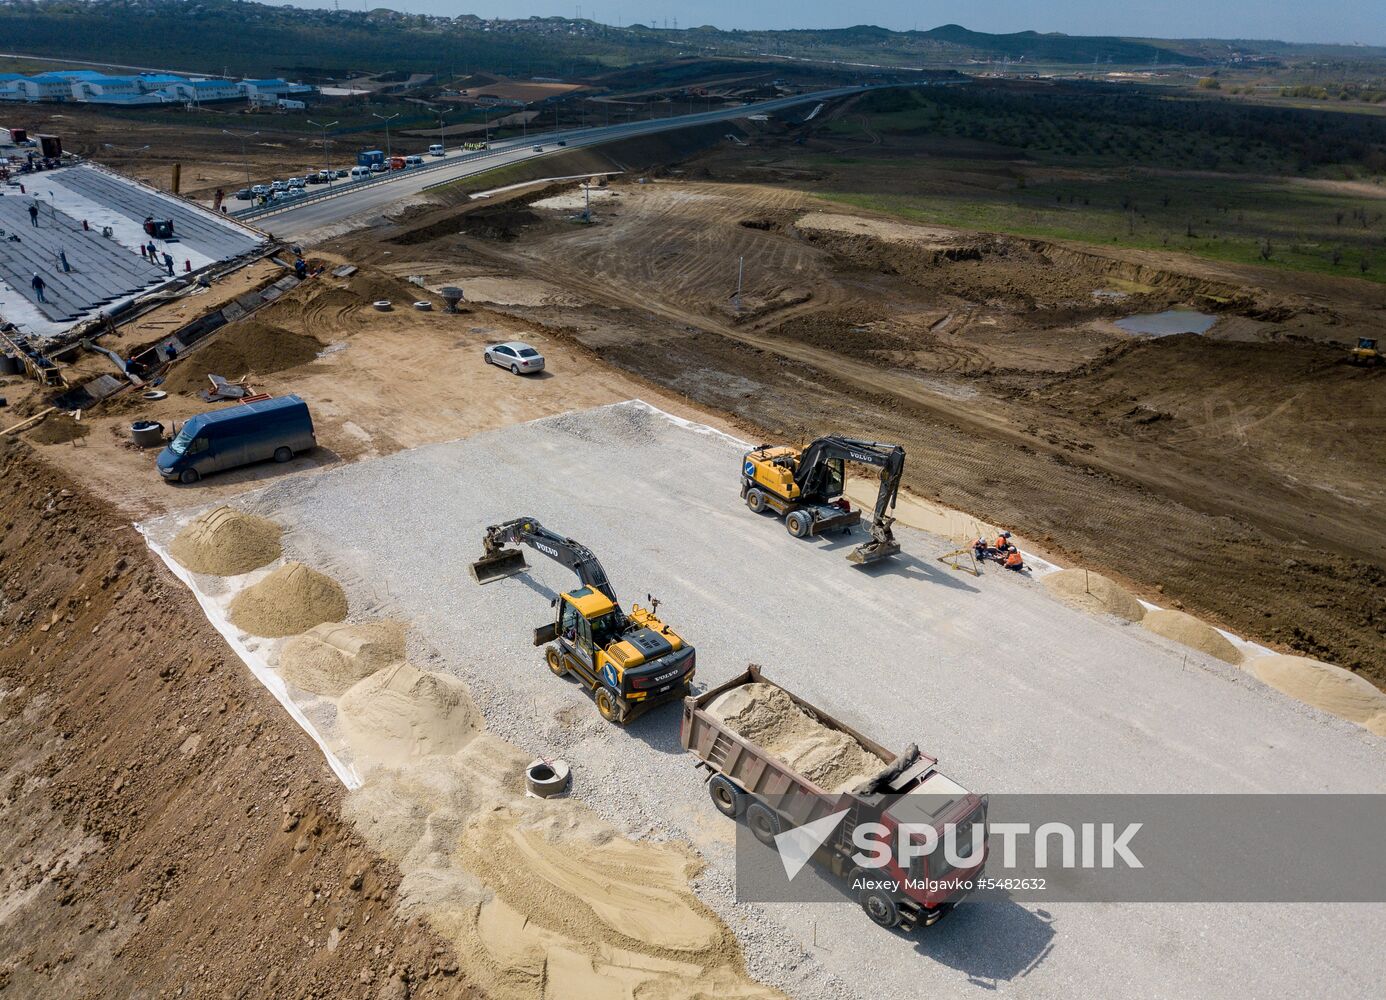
pixel 165 829
pixel 1233 475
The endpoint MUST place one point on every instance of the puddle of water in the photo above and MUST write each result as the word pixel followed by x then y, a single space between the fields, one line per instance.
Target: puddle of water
pixel 1167 323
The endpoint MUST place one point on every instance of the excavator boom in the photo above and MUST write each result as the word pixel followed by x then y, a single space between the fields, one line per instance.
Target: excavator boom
pixel 498 562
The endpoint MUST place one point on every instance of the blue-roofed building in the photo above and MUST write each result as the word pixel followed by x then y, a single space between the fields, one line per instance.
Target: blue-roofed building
pixel 150 82
pixel 203 91
pixel 99 89
pixel 45 87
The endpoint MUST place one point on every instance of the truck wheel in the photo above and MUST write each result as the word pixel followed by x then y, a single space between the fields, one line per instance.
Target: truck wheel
pixel 189 476
pixel 880 907
pixel 283 453
pixel 798 524
pixel 764 822
pixel 755 499
pixel 727 799
pixel 555 661
pixel 608 705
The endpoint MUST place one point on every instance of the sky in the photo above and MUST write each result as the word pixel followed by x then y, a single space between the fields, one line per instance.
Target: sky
pixel 1344 21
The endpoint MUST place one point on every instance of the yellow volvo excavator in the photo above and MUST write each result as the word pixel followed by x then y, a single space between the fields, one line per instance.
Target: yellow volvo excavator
pixel 804 486
pixel 631 661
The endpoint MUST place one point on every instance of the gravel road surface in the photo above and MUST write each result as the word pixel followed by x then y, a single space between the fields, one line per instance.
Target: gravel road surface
pixel 1012 690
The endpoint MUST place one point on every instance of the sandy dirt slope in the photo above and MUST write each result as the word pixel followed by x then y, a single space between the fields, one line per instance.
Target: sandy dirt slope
pixel 165 830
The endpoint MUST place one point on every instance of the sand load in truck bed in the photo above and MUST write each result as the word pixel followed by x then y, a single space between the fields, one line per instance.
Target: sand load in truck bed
pixel 766 716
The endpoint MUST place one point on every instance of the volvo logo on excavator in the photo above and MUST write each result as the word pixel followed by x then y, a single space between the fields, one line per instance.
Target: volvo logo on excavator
pixel 552 553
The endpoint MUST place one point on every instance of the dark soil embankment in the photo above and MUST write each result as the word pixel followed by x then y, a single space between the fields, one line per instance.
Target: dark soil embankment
pixel 58 428
pixel 166 830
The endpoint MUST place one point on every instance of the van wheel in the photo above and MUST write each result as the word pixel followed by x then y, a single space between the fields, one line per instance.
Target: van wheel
pixel 189 476
pixel 283 453
pixel 764 822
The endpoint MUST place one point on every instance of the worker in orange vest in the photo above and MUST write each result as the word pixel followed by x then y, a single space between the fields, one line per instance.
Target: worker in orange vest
pixel 1014 561
pixel 1003 542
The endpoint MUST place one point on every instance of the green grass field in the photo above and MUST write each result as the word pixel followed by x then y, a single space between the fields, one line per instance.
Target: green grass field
pixel 1055 171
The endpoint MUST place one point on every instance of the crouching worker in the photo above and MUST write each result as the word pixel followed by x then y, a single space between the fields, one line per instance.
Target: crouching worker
pixel 1014 561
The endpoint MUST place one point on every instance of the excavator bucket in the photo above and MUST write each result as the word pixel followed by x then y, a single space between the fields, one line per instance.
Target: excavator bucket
pixel 499 564
pixel 873 551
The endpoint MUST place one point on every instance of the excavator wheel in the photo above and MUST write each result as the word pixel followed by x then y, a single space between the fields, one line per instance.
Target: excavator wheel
pixel 798 523
pixel 555 661
pixel 755 499
pixel 608 705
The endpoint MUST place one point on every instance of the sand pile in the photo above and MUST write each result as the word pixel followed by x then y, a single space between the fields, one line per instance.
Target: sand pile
pixel 1377 724
pixel 1190 631
pixel 1334 690
pixel 541 896
pixel 1094 592
pixel 226 542
pixel 331 657
pixel 241 348
pixel 400 714
pixel 290 600
pixel 766 716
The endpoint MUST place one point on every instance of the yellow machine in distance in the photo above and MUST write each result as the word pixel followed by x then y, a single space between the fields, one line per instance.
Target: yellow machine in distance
pixel 630 661
pixel 805 485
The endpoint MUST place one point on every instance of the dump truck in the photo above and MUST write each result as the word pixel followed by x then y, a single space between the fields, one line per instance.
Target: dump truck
pixel 631 661
pixel 748 783
pixel 805 485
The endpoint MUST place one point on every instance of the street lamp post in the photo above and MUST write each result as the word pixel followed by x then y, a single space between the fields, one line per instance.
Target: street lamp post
pixel 244 156
pixel 441 140
pixel 325 164
pixel 387 121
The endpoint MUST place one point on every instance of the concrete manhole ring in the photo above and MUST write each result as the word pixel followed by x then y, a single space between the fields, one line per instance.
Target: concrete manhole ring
pixel 154 394
pixel 547 778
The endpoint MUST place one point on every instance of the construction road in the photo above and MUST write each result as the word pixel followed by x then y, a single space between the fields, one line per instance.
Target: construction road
pixel 298 219
pixel 1011 689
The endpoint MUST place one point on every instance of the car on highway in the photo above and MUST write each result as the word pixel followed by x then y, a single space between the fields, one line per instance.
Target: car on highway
pixel 360 173
pixel 414 160
pixel 279 186
pixel 297 182
pixel 260 190
pixel 563 142
pixel 245 194
pixel 317 177
pixel 538 149
pixel 516 355
pixel 378 168
pixel 435 150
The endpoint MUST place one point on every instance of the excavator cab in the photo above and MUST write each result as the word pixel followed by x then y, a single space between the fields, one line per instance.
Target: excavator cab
pixel 1366 352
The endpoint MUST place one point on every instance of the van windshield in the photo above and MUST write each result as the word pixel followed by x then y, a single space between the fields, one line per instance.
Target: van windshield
pixel 179 445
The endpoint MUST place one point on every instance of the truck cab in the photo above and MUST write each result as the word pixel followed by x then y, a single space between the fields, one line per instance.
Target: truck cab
pixel 632 662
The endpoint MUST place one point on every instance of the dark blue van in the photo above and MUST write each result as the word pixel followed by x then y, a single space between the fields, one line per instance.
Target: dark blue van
pixel 238 435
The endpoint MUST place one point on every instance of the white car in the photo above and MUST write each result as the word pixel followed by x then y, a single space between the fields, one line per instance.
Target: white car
pixel 435 150
pixel 260 190
pixel 278 186
pixel 516 355
pixel 297 182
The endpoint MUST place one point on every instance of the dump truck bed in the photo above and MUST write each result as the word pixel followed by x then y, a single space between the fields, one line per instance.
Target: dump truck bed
pixel 720 748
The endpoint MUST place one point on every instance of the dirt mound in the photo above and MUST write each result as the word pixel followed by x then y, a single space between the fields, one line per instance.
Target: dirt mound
pixel 58 428
pixel 250 346
pixel 1377 724
pixel 397 715
pixel 1094 592
pixel 225 542
pixel 329 658
pixel 1334 690
pixel 1187 629
pixel 765 715
pixel 290 600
